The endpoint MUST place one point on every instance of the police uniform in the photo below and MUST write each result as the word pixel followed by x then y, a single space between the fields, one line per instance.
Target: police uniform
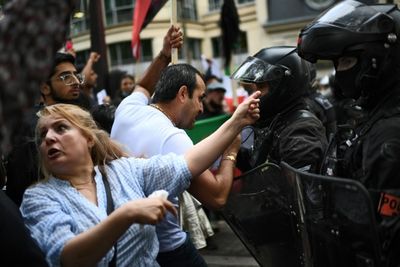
pixel 364 46
pixel 287 130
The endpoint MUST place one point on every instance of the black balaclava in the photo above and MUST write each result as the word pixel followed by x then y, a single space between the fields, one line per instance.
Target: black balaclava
pixel 348 81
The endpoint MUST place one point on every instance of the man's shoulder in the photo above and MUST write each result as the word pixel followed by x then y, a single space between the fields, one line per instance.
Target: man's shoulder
pixel 167 138
pixel 300 119
pixel 132 109
pixel 164 129
pixel 134 99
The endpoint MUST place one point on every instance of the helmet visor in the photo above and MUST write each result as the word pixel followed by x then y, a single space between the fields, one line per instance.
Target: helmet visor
pixel 254 70
pixel 354 16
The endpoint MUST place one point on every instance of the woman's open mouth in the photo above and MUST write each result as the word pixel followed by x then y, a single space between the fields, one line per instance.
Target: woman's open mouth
pixel 53 153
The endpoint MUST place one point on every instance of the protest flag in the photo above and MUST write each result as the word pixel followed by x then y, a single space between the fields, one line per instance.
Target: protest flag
pixel 98 42
pixel 144 12
pixel 230 29
pixel 230 33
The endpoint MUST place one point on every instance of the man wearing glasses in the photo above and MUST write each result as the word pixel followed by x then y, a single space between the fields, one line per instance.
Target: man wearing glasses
pixel 62 86
pixel 64 83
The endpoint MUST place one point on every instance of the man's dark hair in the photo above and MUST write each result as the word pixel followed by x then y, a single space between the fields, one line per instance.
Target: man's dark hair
pixel 61 58
pixel 172 78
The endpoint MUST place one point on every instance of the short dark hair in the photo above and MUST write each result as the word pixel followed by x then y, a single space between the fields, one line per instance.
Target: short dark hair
pixel 126 75
pixel 61 58
pixel 172 78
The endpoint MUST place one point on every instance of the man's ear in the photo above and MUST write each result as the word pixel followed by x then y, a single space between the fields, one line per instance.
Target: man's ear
pixel 45 89
pixel 183 93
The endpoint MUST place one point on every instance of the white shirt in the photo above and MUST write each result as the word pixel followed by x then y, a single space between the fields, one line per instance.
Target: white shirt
pixel 146 132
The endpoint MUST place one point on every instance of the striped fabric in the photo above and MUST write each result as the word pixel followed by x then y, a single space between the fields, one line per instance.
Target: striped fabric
pixel 54 211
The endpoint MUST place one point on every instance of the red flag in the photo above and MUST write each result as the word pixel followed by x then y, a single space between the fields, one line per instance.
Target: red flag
pixel 141 8
pixel 145 11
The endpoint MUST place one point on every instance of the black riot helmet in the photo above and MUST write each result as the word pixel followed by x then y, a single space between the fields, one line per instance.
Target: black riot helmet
pixel 286 74
pixel 363 43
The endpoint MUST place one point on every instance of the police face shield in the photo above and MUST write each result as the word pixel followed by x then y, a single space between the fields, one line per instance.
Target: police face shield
pixel 357 17
pixel 345 25
pixel 254 70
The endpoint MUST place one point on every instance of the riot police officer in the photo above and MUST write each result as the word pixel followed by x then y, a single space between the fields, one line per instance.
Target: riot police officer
pixel 363 43
pixel 286 130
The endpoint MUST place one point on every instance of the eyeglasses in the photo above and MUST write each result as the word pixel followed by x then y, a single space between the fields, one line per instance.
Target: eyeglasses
pixel 72 78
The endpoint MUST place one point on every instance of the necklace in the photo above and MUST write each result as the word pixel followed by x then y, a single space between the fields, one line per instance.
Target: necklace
pixel 163 112
pixel 84 185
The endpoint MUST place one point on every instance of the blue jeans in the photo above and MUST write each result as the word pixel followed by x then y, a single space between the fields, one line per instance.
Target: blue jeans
pixel 184 256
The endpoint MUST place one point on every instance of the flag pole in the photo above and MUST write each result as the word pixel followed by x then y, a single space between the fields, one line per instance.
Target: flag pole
pixel 234 85
pixel 174 52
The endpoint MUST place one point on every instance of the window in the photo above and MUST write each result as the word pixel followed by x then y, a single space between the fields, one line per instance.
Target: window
pixel 216 44
pixel 146 50
pixel 118 11
pixel 239 48
pixel 194 48
pixel 80 18
pixel 215 5
pixel 187 9
pixel 299 11
pixel 121 53
pixel 239 2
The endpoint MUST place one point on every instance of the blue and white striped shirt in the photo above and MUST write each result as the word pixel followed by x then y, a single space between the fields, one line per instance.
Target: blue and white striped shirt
pixel 55 212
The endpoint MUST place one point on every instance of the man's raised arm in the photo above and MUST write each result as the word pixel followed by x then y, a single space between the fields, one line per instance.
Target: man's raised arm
pixel 173 39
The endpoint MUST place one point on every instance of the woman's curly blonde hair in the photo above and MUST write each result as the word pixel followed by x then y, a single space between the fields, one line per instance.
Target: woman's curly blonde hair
pixel 104 149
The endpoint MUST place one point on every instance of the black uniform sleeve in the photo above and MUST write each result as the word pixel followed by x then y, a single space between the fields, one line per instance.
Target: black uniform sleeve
pixel 381 156
pixel 303 143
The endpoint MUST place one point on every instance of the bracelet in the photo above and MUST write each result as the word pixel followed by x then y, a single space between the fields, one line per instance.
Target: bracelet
pixel 230 157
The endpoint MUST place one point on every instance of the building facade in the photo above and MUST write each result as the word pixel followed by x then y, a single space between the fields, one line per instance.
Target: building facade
pixel 263 23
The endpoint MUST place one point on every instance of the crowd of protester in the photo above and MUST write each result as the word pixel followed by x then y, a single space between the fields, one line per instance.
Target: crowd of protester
pixel 99 179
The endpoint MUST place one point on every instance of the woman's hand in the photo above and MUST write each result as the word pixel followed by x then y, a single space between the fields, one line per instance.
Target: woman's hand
pixel 248 112
pixel 149 210
pixel 88 247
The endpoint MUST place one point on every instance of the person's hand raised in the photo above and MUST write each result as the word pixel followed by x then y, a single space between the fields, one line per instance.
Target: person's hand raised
pixel 149 210
pixel 173 39
pixel 94 56
pixel 248 112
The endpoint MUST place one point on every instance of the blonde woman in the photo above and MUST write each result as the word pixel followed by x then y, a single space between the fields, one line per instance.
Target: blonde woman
pixel 86 173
